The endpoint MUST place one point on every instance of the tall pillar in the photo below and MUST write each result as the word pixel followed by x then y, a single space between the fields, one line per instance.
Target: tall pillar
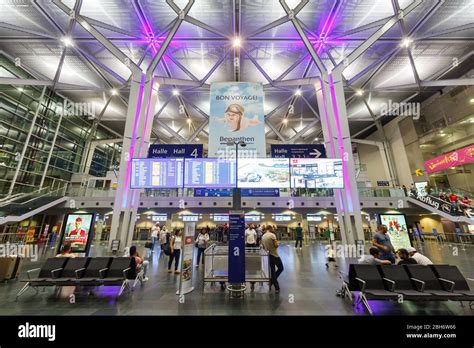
pixel 142 142
pixel 120 216
pixel 335 125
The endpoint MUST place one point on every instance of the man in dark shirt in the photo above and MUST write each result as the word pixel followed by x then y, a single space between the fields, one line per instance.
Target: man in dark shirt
pixel 299 236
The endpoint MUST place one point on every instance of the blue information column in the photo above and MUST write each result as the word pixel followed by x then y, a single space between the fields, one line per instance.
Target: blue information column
pixel 236 247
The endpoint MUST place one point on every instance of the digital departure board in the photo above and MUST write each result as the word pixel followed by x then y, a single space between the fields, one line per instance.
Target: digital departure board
pixel 157 173
pixel 316 173
pixel 209 173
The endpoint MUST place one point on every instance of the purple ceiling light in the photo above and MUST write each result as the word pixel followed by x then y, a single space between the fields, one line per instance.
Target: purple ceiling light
pixel 322 39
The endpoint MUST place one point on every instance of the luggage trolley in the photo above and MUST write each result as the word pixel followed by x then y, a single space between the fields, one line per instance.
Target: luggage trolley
pixel 257 268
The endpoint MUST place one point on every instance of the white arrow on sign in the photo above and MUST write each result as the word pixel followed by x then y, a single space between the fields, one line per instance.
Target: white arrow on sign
pixel 316 153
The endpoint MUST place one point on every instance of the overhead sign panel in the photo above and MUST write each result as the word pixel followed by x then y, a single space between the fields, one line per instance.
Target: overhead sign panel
pixel 263 172
pixel 157 173
pixel 298 151
pixel 175 151
pixel 209 173
pixel 316 173
pixel 236 114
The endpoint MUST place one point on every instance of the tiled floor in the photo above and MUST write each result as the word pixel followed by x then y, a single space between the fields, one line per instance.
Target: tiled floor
pixel 307 288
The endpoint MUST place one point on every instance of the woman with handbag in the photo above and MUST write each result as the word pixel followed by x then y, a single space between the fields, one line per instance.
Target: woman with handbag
pixel 201 244
pixel 175 251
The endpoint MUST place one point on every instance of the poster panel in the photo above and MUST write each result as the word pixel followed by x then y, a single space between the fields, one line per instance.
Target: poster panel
pixel 236 114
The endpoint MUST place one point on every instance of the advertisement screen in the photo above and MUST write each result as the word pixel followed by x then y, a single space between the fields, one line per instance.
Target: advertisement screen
pixel 263 172
pixel 316 173
pixel 397 230
pixel 209 173
pixel 77 232
pixel 157 173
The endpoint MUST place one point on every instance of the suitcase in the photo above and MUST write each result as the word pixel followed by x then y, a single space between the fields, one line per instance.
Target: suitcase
pixel 10 267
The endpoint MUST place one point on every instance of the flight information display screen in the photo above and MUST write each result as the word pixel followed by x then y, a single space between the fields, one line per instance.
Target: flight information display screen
pixel 209 173
pixel 263 172
pixel 157 173
pixel 316 173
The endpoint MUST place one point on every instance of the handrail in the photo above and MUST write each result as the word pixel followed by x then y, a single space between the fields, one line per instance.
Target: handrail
pixel 48 192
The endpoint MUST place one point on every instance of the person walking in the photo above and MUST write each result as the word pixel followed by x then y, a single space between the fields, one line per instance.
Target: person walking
pixel 382 242
pixel 155 232
pixel 299 236
pixel 164 238
pixel 201 243
pixel 259 231
pixel 175 249
pixel 270 243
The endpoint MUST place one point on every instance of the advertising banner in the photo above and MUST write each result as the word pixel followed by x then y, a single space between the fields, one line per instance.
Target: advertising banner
pixel 175 151
pixel 298 151
pixel 236 247
pixel 236 114
pixel 397 230
pixel 186 278
pixel 451 159
pixel 77 232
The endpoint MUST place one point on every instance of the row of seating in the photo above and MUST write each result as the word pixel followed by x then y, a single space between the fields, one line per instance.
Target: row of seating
pixel 406 282
pixel 85 271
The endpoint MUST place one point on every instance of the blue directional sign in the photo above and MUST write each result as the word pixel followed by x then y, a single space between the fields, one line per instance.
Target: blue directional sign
pixel 175 151
pixel 260 192
pixel 298 151
pixel 236 247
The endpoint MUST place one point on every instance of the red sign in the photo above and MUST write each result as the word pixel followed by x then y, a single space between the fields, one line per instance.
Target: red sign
pixel 452 159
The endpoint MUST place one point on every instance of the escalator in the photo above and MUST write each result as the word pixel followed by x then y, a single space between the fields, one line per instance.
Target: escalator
pixel 23 207
pixel 442 208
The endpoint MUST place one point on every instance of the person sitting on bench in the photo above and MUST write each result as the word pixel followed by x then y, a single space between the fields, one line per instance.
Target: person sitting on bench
pixel 139 261
pixel 66 251
pixel 373 258
pixel 405 258
pixel 419 258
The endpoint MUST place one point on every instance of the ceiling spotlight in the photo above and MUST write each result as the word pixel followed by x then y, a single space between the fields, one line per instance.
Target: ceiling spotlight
pixel 197 139
pixel 298 92
pixel 471 101
pixel 406 42
pixel 360 92
pixel 285 121
pixel 175 92
pixel 316 139
pixel 20 89
pixel 189 120
pixel 236 42
pixel 114 91
pixel 67 41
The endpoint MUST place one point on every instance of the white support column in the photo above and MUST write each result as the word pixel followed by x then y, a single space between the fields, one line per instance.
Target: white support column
pixel 119 218
pixel 328 142
pixel 142 141
pixel 343 149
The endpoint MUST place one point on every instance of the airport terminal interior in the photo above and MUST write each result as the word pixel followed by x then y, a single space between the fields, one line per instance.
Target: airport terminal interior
pixel 237 157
